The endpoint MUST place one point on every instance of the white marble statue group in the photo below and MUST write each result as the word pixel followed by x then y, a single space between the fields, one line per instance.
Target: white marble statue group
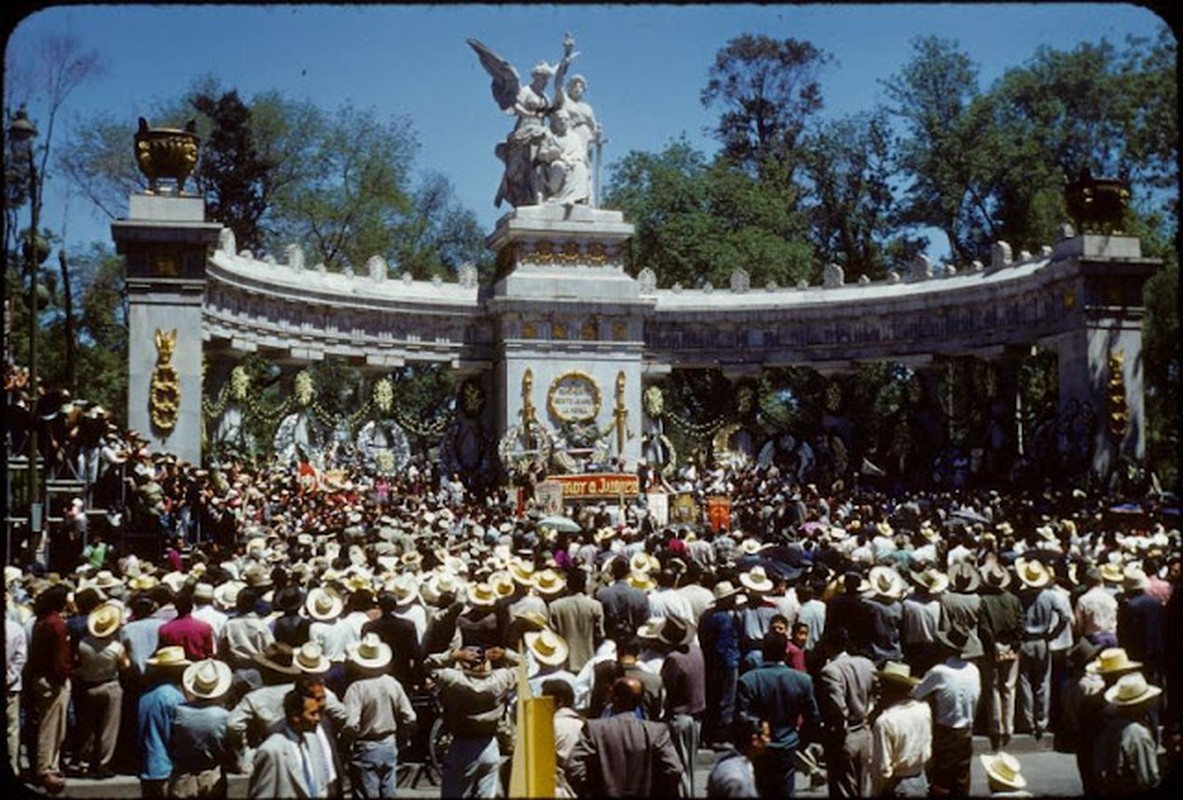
pixel 552 153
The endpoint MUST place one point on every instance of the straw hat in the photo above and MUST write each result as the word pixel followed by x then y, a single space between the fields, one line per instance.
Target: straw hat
pixel 141 583
pixel 887 582
pixel 105 579
pixel 324 605
pixel 371 652
pixel 310 659
pixel 639 562
pixel 1003 769
pixel 482 595
pixel 641 581
pixel 756 580
pixel 724 590
pixel 226 594
pixel 104 620
pixel 277 657
pixel 1112 660
pixel 203 592
pixel 521 571
pixel 1130 690
pixel 651 628
pixel 502 583
pixel 1112 573
pixel 932 580
pixel 604 534
pixel 899 673
pixel 749 546
pixel 208 679
pixel 547 646
pixel 438 583
pixel 169 656
pixel 959 642
pixel 964 578
pixel 405 588
pixel 1032 574
pixel 1134 579
pixel 549 583
pixel 256 576
pixel 995 576
pixel 174 580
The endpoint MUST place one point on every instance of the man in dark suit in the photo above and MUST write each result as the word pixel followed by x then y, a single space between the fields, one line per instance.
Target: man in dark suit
pixel 625 607
pixel 623 756
pixel 782 695
pixel 399 633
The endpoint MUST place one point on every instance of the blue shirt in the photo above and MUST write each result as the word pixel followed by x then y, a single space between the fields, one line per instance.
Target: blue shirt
pixel 780 694
pixel 720 637
pixel 199 737
pixel 155 730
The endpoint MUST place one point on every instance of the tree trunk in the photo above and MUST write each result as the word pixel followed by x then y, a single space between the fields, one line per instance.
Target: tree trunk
pixel 68 308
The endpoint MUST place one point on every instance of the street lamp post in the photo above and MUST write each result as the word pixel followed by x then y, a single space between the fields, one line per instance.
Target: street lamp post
pixel 22 131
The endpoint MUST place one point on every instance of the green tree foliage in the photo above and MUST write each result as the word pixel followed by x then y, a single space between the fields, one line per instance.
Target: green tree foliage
pixel 697 223
pixel 766 91
pixel 442 235
pixel 232 174
pixel 848 170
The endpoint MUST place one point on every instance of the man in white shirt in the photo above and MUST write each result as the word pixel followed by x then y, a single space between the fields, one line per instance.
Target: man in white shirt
pixel 955 687
pixel 16 653
pixel 901 736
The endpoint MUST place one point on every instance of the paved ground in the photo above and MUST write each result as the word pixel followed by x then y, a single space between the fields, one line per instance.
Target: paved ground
pixel 1048 773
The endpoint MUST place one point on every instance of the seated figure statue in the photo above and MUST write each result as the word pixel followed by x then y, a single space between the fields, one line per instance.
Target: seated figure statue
pixel 564 156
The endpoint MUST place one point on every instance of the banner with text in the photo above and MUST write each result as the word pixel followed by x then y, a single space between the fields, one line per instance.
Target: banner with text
pixel 608 484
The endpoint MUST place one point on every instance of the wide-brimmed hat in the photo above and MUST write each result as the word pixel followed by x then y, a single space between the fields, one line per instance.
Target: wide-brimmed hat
pixel 522 571
pixel 1130 690
pixel 371 652
pixel 310 659
pixel 174 580
pixel 208 679
pixel 886 582
pixel 169 657
pixel 142 583
pixel 482 595
pixel 650 628
pixel 641 581
pixel 438 583
pixel 105 579
pixel 1111 572
pixel 226 594
pixel 548 582
pixel 931 580
pixel 203 592
pixel 1032 574
pixel 547 646
pixel 502 583
pixel 899 673
pixel 639 562
pixel 531 620
pixel 960 642
pixel 1134 579
pixel 1112 660
pixel 995 575
pixel 256 576
pixel 1003 769
pixel 756 580
pixel 104 620
pixel 750 546
pixel 277 657
pixel 324 604
pixel 676 631
pixel 963 577
pixel 404 587
pixel 604 534
pixel 725 591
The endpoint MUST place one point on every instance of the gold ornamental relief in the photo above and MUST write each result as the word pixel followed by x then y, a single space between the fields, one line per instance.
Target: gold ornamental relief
pixel 574 397
pixel 1119 414
pixel 164 397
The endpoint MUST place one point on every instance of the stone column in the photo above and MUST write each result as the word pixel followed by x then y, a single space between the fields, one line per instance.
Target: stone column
pixel 165 241
pixel 568 315
pixel 1100 357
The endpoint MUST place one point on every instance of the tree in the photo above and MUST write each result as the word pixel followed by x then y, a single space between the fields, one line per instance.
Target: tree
pixel 848 171
pixel 697 223
pixel 232 174
pixel 931 94
pixel 60 65
pixel 441 236
pixel 766 90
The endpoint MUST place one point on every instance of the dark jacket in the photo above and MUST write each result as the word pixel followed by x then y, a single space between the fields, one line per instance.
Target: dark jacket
pixel 625 609
pixel 780 694
pixel 623 756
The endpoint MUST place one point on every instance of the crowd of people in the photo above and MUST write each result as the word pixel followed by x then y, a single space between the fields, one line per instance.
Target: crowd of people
pixel 307 635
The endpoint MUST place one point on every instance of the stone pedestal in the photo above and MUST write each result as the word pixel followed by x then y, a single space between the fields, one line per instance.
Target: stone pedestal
pixel 165 241
pixel 569 325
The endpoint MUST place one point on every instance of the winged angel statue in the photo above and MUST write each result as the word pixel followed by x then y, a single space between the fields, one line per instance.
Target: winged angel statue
pixel 546 154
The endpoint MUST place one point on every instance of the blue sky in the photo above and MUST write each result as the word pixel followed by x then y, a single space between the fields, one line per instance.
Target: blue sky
pixel 645 65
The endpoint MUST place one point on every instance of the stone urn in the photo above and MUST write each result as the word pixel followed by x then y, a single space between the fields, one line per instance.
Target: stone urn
pixel 1096 205
pixel 169 153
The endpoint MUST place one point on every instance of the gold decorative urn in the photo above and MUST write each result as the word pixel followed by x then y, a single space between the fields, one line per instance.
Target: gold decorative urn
pixel 169 153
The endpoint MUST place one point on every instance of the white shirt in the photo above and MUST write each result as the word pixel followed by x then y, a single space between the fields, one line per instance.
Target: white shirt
pixel 16 652
pixel 212 617
pixel 333 638
pixel 956 686
pixel 1096 612
pixel 901 743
